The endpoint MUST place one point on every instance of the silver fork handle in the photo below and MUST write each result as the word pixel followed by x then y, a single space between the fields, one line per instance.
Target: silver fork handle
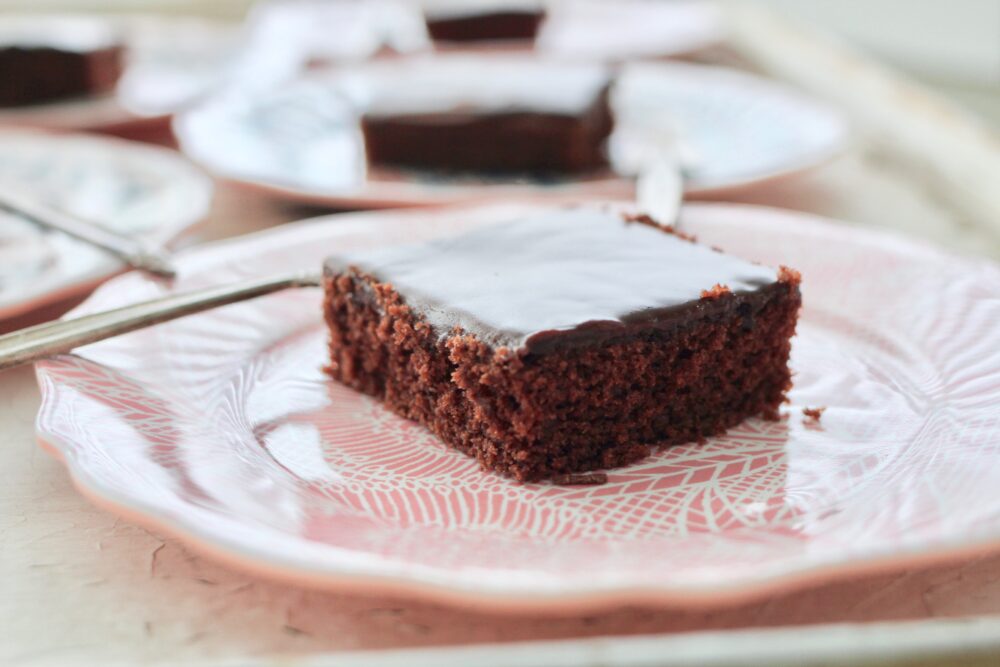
pixel 130 251
pixel 59 337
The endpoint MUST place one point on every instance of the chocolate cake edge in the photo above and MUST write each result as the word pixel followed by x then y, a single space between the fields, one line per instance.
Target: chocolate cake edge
pixel 534 416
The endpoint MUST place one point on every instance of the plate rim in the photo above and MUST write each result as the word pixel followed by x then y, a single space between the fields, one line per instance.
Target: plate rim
pixel 491 600
pixel 344 576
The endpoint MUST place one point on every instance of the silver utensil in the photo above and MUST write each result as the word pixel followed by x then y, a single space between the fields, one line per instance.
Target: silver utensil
pixel 659 185
pixel 59 337
pixel 659 190
pixel 132 252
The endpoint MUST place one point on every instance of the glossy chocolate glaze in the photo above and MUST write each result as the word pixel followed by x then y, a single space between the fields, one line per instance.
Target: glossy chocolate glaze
pixel 561 278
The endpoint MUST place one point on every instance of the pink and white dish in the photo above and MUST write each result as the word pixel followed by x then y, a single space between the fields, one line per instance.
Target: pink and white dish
pixel 302 141
pixel 222 430
pixel 138 190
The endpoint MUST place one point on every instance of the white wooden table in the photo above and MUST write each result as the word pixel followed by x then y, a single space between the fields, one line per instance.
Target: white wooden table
pixel 80 587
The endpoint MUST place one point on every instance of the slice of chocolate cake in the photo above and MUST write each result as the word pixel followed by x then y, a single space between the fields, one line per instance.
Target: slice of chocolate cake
pixel 487 114
pixel 483 20
pixel 45 59
pixel 562 341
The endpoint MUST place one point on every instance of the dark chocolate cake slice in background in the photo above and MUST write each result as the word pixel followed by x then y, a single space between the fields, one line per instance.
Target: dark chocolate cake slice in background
pixel 47 59
pixel 487 114
pixel 564 341
pixel 483 20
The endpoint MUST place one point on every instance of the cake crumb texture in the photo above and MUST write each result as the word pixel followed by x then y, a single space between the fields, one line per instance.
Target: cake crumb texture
pixel 814 414
pixel 716 292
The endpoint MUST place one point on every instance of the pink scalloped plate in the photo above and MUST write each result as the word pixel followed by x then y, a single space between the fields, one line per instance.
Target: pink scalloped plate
pixel 221 429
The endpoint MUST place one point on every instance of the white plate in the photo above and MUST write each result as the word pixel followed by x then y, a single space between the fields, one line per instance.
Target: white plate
pixel 138 190
pixel 629 29
pixel 175 61
pixel 302 140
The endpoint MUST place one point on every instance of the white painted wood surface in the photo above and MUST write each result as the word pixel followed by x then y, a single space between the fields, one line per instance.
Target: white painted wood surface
pixel 902 129
pixel 950 40
pixel 80 587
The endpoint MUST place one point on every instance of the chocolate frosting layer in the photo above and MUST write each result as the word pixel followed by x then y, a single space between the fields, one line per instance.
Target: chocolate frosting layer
pixel 566 276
